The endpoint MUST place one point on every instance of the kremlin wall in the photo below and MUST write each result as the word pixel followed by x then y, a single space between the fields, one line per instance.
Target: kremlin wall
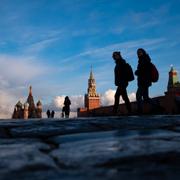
pixel 167 104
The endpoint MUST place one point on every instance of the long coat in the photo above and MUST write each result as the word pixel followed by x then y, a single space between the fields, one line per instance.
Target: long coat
pixel 143 73
pixel 120 74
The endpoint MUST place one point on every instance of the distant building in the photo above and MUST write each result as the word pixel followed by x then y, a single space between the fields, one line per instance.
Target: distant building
pixel 172 95
pixel 91 99
pixel 173 83
pixel 167 104
pixel 28 109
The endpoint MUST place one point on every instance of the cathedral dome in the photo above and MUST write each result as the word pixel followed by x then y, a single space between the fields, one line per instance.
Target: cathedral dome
pixel 19 104
pixel 26 105
pixel 39 103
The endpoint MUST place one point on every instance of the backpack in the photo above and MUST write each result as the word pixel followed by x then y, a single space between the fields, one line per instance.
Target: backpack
pixel 154 73
pixel 129 71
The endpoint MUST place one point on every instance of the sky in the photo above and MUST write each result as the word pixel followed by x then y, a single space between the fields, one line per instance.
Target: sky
pixel 52 45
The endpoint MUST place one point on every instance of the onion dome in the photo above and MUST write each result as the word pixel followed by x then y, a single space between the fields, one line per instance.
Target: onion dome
pixel 19 104
pixel 26 105
pixel 39 103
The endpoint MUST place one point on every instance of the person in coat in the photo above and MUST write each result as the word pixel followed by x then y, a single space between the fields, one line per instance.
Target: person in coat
pixel 67 104
pixel 121 82
pixel 143 74
pixel 48 113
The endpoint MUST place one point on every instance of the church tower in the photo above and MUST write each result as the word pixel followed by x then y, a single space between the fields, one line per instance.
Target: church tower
pixel 92 99
pixel 30 101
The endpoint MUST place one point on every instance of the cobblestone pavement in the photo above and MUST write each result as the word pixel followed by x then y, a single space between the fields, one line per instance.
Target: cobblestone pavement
pixel 146 147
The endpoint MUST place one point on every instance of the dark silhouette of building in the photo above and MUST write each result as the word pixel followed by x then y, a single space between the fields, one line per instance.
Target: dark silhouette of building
pixel 28 109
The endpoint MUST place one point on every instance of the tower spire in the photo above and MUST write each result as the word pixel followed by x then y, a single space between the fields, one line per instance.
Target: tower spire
pixel 91 74
pixel 92 85
pixel 30 101
pixel 30 90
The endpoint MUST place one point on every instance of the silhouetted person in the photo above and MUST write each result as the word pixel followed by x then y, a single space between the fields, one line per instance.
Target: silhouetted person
pixel 63 111
pixel 67 104
pixel 52 114
pixel 48 113
pixel 144 81
pixel 120 81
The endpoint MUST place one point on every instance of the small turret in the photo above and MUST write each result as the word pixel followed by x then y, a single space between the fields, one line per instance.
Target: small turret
pixel 26 110
pixel 39 109
pixel 19 110
pixel 173 78
pixel 19 104
pixel 39 103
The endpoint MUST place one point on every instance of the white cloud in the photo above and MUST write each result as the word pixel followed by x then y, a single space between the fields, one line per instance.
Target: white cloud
pixel 40 45
pixel 106 52
pixel 6 101
pixel 58 102
pixel 19 69
pixel 107 98
pixel 15 73
pixel 77 101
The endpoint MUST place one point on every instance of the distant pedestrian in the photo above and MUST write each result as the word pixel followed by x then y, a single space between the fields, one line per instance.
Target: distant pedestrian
pixel 146 74
pixel 67 104
pixel 121 72
pixel 48 113
pixel 52 114
pixel 63 111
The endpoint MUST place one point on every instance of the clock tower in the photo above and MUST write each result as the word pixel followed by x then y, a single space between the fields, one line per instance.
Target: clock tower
pixel 92 99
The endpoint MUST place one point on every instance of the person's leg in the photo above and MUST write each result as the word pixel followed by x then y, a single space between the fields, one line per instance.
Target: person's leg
pixel 145 94
pixel 139 99
pixel 116 100
pixel 67 111
pixel 126 100
pixel 154 105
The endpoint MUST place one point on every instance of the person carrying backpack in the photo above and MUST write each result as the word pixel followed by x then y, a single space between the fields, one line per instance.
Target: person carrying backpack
pixel 146 74
pixel 121 72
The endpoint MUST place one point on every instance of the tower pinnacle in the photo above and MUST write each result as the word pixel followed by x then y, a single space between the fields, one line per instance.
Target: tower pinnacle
pixel 30 90
pixel 91 85
pixel 91 74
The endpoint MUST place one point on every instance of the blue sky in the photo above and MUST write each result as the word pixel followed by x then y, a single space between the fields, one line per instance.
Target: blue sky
pixel 52 44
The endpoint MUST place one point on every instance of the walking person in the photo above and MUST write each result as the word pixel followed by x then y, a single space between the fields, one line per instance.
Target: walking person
pixel 63 111
pixel 52 114
pixel 66 108
pixel 48 113
pixel 121 81
pixel 144 75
